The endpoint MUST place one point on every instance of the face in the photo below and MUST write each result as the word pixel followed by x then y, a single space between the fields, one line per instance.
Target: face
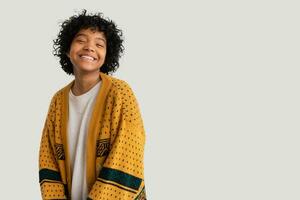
pixel 87 51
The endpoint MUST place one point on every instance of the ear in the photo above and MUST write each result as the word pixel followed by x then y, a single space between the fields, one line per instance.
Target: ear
pixel 68 54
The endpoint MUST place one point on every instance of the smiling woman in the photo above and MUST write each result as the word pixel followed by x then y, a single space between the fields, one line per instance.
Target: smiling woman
pixel 92 145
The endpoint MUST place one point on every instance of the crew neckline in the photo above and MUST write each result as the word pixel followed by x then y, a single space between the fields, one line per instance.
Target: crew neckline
pixel 95 87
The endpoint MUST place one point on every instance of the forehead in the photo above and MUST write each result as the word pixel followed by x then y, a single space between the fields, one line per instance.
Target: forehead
pixel 90 32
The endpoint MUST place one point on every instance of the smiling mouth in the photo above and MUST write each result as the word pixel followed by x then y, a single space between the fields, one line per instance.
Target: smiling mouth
pixel 87 58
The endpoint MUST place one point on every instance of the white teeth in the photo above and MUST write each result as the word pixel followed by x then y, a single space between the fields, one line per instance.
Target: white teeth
pixel 87 57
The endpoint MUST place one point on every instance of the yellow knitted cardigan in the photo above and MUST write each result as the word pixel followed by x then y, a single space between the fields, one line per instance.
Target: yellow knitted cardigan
pixel 115 145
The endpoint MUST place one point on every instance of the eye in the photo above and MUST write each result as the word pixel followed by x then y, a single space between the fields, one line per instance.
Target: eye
pixel 80 41
pixel 99 45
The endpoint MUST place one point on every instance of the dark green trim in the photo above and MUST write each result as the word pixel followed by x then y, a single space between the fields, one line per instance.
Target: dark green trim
pixel 48 174
pixel 120 177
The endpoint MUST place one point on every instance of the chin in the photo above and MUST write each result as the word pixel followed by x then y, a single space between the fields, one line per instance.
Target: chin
pixel 88 69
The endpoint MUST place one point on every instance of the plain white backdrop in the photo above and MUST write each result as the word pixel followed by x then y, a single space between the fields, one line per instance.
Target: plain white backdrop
pixel 217 83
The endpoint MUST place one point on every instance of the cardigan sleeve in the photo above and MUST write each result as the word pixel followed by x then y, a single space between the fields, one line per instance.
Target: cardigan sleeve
pixel 122 173
pixel 51 185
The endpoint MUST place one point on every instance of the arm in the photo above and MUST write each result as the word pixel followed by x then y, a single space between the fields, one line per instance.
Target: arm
pixel 50 181
pixel 122 174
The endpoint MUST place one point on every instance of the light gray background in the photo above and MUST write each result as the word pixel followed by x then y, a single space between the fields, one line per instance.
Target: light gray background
pixel 217 83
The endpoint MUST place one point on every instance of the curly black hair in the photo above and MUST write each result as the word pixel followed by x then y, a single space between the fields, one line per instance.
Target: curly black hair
pixel 71 26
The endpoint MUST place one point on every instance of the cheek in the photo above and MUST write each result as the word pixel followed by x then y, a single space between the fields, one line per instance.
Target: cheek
pixel 73 52
pixel 104 52
pixel 74 48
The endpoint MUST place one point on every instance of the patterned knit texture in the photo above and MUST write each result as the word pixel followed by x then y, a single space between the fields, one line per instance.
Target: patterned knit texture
pixel 116 141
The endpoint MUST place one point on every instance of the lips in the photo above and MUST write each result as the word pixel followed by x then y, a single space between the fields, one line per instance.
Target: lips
pixel 87 57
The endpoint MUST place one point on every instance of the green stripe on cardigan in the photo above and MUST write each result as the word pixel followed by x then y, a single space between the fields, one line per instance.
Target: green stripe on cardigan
pixel 48 174
pixel 120 177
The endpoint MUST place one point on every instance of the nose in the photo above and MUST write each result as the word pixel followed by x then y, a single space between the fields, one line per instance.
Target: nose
pixel 89 47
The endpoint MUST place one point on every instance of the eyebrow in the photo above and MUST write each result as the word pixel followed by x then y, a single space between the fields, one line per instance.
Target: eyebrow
pixel 82 34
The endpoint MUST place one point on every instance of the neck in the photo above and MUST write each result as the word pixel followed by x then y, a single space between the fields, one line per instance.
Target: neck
pixel 84 82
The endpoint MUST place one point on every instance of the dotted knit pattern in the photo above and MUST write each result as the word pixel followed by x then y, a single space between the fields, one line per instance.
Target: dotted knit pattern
pixel 119 149
pixel 122 123
pixel 53 191
pixel 51 182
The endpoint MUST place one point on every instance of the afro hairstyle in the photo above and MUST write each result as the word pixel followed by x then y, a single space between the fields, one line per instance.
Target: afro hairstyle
pixel 71 26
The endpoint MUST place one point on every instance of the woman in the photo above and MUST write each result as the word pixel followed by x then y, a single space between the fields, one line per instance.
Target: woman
pixel 93 140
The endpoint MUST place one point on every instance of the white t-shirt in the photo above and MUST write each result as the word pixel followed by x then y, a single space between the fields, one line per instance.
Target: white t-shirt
pixel 80 111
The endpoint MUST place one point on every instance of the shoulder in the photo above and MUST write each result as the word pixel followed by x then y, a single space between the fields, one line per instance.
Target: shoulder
pixel 58 96
pixel 119 83
pixel 122 92
pixel 120 86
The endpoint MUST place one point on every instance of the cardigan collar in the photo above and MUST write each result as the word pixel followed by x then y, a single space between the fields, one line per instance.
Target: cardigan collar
pixel 93 128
